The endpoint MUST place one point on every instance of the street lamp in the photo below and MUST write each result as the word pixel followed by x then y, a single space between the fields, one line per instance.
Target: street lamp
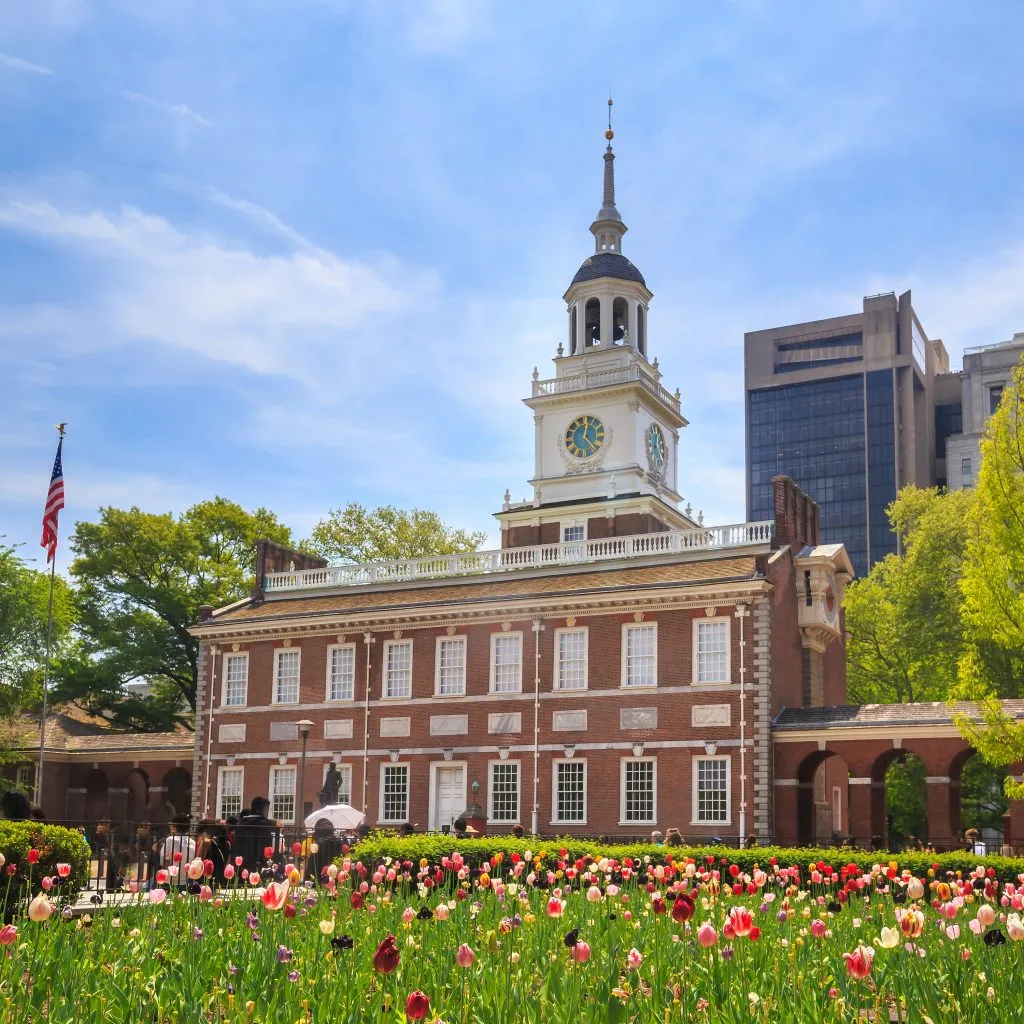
pixel 304 726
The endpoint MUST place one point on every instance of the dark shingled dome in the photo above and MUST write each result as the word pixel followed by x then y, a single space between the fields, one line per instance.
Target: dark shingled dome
pixel 608 264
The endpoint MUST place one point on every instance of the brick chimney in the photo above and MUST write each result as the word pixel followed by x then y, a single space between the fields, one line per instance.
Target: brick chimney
pixel 273 557
pixel 796 514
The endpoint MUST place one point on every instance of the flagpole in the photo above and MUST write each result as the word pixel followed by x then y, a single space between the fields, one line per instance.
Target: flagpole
pixel 46 669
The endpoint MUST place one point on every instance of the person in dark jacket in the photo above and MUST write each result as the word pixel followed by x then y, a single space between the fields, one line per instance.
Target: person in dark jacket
pixel 253 834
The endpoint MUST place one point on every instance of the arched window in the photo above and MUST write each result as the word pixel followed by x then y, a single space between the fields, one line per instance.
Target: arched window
pixel 592 325
pixel 572 330
pixel 641 331
pixel 620 320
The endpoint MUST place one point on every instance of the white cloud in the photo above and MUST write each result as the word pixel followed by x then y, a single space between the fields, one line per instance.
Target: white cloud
pixel 178 109
pixel 20 64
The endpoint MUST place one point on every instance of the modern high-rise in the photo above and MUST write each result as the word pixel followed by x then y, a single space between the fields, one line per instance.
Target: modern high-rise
pixel 846 407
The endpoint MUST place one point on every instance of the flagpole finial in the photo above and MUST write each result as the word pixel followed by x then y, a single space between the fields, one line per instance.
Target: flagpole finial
pixel 60 428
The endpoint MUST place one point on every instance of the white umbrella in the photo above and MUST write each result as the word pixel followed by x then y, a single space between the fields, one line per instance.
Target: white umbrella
pixel 342 817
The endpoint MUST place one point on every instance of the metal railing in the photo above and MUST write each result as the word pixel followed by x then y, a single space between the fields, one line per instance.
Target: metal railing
pixel 668 542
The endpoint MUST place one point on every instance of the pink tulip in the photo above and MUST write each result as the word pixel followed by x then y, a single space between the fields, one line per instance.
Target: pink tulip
pixel 46 882
pixel 818 928
pixel 442 912
pixel 157 895
pixel 40 909
pixel 741 921
pixel 581 952
pixel 706 934
pixel 555 907
pixel 953 931
pixel 634 958
pixel 162 877
pixel 64 870
pixel 465 956
pixel 858 963
pixel 408 915
pixel 229 871
pixel 275 895
pixel 195 870
pixel 8 935
pixel 986 915
pixel 1014 927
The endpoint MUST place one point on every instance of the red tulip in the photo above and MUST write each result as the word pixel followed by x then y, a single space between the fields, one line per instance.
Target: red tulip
pixel 385 960
pixel 741 920
pixel 32 856
pixel 682 909
pixel 64 870
pixel 417 1006
pixel 268 852
pixel 275 895
pixel 858 963
pixel 356 900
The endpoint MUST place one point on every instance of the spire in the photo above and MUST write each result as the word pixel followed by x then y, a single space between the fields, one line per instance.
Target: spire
pixel 608 228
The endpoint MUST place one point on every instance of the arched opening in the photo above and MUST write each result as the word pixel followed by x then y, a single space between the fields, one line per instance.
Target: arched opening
pixel 137 804
pixel 977 802
pixel 572 330
pixel 178 792
pixel 899 810
pixel 641 330
pixel 97 796
pixel 592 323
pixel 823 799
pixel 620 320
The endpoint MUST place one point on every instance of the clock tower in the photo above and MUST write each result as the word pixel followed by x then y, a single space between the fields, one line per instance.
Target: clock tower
pixel 606 430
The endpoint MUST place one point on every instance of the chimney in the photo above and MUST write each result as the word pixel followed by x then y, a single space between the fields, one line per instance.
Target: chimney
pixel 796 515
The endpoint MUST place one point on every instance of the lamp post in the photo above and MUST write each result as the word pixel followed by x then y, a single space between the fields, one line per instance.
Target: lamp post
pixel 304 726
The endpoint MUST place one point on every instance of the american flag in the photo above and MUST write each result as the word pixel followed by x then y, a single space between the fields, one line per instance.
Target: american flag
pixel 54 503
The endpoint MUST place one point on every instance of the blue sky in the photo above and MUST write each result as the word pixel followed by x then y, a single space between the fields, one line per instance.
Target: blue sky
pixel 302 252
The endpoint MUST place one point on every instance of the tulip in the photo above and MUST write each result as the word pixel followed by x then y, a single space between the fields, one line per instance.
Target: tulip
pixel 32 856
pixel 740 920
pixel 465 956
pixel 1014 927
pixel 385 960
pixel 706 934
pixel 356 900
pixel 157 895
pixel 889 938
pixel 912 922
pixel 195 870
pixel 8 935
pixel 594 894
pixel 229 871
pixel 275 895
pixel 682 909
pixel 858 963
pixel 818 928
pixel 40 909
pixel 162 877
pixel 581 952
pixel 915 889
pixel 986 915
pixel 63 870
pixel 634 958
pixel 442 912
pixel 417 1006
pixel 327 926
pixel 555 907
pixel 46 882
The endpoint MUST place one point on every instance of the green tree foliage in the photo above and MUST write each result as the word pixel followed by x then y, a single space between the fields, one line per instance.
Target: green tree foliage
pixel 905 619
pixel 141 580
pixel 24 598
pixel 357 534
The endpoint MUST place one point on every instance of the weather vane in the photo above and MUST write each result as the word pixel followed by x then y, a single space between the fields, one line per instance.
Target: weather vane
pixel 609 135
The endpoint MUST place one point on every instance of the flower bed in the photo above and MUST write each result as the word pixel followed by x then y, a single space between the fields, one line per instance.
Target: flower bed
pixel 560 939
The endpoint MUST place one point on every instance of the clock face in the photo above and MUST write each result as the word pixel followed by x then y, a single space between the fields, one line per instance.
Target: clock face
pixel 656 445
pixel 584 436
pixel 830 599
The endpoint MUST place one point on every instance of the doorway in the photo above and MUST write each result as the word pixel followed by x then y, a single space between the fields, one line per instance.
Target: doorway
pixel 447 794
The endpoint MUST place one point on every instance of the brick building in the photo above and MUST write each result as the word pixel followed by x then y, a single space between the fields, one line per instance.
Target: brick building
pixel 612 669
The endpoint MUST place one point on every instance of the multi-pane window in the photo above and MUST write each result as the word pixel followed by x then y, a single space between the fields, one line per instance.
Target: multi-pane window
pixel 640 656
pixel 504 791
pixel 282 794
pixel 711 791
pixel 394 793
pixel 571 664
pixel 25 779
pixel 638 791
pixel 506 662
pixel 451 666
pixel 965 471
pixel 344 782
pixel 570 791
pixel 398 668
pixel 229 792
pixel 571 533
pixel 236 679
pixel 341 672
pixel 711 651
pixel 286 677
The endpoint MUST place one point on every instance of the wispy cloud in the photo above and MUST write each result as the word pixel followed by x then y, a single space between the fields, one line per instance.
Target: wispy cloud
pixel 178 109
pixel 20 64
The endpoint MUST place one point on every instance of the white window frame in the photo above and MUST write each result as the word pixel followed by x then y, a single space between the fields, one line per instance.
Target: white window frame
pixel 345 770
pixel 494 654
pixel 232 770
pixel 555 820
pixel 385 767
pixel 556 675
pixel 694 814
pixel 243 655
pixel 623 820
pixel 491 820
pixel 837 809
pixel 698 621
pixel 331 648
pixel 278 652
pixel 275 771
pixel 624 682
pixel 573 540
pixel 385 682
pixel 26 775
pixel 462 641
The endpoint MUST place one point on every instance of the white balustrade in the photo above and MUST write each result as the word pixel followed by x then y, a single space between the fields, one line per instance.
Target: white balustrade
pixel 668 542
pixel 603 378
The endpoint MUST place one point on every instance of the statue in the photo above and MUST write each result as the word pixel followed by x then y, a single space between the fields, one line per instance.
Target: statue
pixel 332 784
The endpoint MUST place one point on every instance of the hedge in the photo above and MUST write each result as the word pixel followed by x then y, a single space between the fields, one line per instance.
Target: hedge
pixel 433 847
pixel 55 845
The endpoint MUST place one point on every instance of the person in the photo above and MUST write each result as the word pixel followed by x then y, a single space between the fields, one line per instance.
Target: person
pixel 518 831
pixel 974 842
pixel 179 841
pixel 36 813
pixel 214 847
pixel 254 834
pixel 15 806
pixel 657 838
pixel 673 837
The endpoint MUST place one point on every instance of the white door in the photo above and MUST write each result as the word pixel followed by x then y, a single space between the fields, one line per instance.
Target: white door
pixel 449 794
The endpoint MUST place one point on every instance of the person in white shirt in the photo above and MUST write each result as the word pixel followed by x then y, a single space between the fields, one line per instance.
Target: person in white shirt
pixel 179 841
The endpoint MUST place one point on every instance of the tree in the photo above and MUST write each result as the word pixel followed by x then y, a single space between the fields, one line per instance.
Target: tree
pixel 357 534
pixel 24 600
pixel 142 578
pixel 905 620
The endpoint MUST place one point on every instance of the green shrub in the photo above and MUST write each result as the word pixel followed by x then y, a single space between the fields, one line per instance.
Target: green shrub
pixel 434 846
pixel 55 845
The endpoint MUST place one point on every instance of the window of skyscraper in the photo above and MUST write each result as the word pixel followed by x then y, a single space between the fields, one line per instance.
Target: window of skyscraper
pixel 995 394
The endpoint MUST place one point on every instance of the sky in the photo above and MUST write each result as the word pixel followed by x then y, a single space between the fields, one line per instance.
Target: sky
pixel 305 252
